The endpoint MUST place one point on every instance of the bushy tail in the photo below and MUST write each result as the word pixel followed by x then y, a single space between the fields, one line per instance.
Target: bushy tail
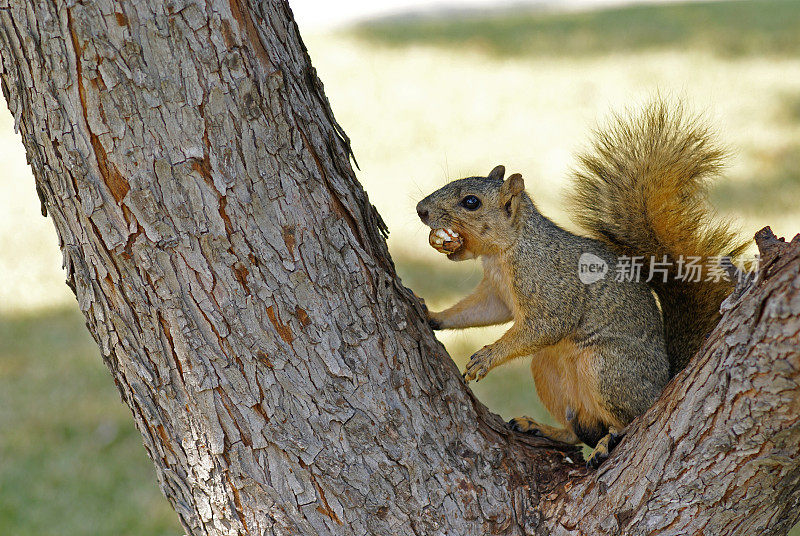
pixel 642 190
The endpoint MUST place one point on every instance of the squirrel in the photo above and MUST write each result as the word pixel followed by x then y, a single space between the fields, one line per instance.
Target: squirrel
pixel 601 350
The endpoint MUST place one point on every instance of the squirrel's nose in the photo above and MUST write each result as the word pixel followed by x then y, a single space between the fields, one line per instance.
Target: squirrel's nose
pixel 423 214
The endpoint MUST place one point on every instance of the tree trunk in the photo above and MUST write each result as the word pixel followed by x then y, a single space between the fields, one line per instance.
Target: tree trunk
pixel 236 279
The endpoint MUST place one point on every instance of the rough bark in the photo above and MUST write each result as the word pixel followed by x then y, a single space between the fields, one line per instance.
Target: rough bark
pixel 236 279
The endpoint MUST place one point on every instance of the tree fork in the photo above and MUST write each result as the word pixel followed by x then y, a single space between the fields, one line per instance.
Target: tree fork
pixel 234 275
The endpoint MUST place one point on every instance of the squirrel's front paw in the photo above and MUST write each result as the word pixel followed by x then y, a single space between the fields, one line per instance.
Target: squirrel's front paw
pixel 479 364
pixel 429 315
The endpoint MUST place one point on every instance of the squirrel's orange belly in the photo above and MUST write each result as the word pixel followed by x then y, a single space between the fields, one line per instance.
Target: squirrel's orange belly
pixel 566 377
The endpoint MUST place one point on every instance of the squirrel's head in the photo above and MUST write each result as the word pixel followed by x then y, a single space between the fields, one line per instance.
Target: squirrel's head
pixel 484 211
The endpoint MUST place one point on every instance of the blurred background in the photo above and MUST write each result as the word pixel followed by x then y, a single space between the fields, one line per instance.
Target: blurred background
pixel 428 92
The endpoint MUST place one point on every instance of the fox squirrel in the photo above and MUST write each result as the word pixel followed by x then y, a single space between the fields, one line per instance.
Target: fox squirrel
pixel 602 350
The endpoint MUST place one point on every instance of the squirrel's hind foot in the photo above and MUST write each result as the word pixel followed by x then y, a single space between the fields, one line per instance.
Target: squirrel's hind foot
pixel 604 447
pixel 526 425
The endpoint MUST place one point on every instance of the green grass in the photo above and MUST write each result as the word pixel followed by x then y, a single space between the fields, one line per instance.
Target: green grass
pixel 777 190
pixel 732 28
pixel 71 460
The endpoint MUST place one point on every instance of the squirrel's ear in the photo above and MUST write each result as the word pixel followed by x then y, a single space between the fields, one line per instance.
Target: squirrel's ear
pixel 497 173
pixel 514 185
pixel 509 193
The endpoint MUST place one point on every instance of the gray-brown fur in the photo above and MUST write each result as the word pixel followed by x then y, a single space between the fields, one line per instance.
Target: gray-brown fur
pixel 620 319
pixel 538 261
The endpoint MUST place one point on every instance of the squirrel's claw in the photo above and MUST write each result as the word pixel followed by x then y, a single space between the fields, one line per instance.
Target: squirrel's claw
pixel 479 364
pixel 421 302
pixel 525 425
pixel 434 324
pixel 603 448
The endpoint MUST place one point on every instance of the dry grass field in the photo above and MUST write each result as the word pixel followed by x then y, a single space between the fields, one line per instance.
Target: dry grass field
pixel 424 100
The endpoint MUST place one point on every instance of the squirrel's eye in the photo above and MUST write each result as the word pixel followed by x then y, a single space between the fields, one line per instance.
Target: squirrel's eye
pixel 471 202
